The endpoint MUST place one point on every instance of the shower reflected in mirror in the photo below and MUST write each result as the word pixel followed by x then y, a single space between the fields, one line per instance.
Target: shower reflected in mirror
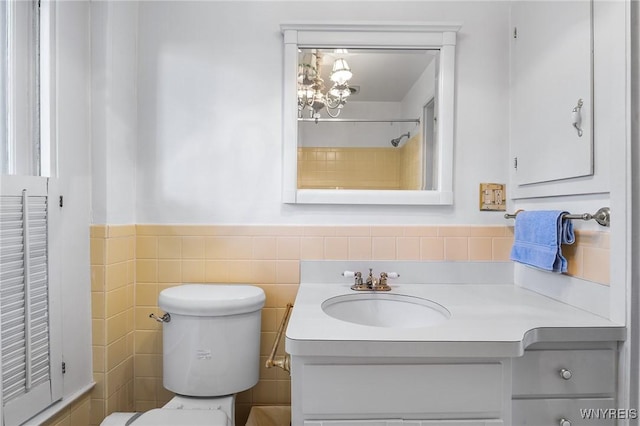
pixel 395 142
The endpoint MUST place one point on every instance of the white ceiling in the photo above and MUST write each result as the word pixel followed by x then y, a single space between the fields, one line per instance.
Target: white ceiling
pixel 382 75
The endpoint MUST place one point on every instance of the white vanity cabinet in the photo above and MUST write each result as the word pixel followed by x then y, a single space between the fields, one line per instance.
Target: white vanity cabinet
pixel 548 385
pixel 551 385
pixel 497 360
pixel 391 391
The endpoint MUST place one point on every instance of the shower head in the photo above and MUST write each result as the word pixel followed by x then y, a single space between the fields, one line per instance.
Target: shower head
pixel 395 142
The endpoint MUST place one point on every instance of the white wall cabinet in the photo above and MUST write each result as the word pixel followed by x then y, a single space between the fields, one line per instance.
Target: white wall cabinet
pixel 551 74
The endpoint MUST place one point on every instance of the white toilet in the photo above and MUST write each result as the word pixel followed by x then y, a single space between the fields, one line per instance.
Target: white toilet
pixel 211 349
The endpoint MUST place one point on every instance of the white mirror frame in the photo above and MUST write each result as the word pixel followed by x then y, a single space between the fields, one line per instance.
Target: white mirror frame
pixel 441 36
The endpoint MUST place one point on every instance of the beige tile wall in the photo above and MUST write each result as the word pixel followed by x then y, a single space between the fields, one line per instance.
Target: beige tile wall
pixel 361 168
pixel 112 307
pixel 267 256
pixel 270 258
pixel 588 257
pixel 349 168
pixel 78 413
pixel 411 163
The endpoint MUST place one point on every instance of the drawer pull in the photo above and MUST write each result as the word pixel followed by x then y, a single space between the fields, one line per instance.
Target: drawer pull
pixel 566 375
pixel 564 422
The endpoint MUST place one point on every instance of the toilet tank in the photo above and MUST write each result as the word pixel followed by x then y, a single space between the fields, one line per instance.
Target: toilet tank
pixel 211 345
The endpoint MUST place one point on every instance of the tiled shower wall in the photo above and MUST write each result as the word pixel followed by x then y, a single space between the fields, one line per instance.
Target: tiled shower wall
pixel 129 374
pixel 349 168
pixel 361 168
pixel 411 159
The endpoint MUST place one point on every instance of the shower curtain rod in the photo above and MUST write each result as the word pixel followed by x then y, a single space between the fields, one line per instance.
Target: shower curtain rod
pixel 360 120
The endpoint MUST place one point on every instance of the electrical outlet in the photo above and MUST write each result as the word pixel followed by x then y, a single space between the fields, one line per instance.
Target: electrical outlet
pixel 493 197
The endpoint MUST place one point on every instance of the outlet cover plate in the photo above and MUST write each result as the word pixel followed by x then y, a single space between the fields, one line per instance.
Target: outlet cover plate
pixel 492 197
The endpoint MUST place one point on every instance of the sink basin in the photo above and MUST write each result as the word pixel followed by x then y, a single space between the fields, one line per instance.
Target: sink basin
pixel 386 310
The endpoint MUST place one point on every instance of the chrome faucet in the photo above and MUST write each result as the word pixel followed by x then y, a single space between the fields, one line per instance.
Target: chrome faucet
pixel 372 283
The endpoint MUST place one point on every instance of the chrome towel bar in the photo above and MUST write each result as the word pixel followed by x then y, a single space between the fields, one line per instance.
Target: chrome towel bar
pixel 602 216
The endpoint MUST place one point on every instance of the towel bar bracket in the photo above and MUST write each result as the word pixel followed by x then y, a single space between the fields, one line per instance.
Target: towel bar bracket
pixel 602 216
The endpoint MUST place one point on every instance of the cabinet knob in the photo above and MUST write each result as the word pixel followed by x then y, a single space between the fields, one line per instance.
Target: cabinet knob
pixel 565 374
pixel 564 422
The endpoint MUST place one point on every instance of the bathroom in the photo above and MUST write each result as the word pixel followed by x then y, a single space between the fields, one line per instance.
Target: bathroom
pixel 166 124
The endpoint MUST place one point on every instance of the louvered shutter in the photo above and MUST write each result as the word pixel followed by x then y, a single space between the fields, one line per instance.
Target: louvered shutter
pixel 24 302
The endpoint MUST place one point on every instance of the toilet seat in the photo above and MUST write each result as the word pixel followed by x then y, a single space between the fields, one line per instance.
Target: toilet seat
pixel 172 417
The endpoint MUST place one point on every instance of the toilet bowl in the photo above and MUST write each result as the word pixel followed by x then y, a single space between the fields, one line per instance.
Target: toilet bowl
pixel 180 411
pixel 168 417
pixel 211 349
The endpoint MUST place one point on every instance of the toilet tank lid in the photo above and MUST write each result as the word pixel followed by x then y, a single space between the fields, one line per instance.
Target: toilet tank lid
pixel 167 416
pixel 211 299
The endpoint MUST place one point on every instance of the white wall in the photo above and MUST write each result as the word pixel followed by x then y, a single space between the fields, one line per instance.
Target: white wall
pixel 421 92
pixel 209 111
pixel 114 110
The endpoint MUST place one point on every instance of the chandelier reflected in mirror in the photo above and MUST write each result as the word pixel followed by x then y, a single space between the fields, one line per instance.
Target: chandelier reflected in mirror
pixel 311 88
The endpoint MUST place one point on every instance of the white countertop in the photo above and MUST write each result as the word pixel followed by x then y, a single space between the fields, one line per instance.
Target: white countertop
pixel 487 320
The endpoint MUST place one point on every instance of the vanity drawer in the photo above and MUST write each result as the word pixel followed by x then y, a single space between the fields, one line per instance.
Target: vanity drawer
pixel 588 372
pixel 392 390
pixel 548 412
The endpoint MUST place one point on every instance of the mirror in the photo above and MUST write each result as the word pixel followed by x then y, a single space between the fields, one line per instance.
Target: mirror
pixel 368 114
pixel 381 118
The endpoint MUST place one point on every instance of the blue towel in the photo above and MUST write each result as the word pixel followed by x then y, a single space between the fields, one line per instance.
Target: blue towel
pixel 538 239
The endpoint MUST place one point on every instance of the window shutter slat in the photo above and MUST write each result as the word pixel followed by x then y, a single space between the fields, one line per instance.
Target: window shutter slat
pixel 15 348
pixel 24 296
pixel 12 321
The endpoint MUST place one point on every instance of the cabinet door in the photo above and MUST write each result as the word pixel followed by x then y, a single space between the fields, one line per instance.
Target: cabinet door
pixel 551 71
pixel 374 391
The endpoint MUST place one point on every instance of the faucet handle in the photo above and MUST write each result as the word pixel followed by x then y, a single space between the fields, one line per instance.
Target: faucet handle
pixel 382 283
pixel 352 274
pixel 358 285
pixel 385 275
